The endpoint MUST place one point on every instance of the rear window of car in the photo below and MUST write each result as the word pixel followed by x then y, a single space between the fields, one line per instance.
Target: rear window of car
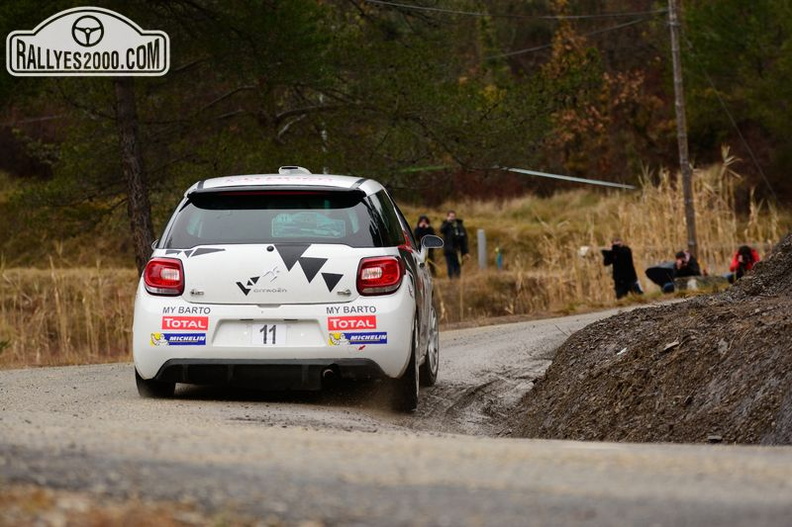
pixel 245 216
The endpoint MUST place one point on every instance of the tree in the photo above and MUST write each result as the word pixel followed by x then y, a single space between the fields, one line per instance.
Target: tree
pixel 138 207
pixel 738 68
pixel 208 113
pixel 389 90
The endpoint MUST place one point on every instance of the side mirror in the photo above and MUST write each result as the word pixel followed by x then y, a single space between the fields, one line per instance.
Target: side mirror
pixel 430 241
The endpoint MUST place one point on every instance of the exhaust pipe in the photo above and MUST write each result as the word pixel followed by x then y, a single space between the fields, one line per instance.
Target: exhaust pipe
pixel 328 374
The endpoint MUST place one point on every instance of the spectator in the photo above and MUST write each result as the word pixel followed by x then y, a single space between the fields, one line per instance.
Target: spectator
pixel 456 243
pixel 423 228
pixel 685 265
pixel 625 280
pixel 743 261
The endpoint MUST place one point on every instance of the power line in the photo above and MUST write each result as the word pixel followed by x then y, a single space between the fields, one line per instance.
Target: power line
pixel 590 33
pixel 568 178
pixel 539 17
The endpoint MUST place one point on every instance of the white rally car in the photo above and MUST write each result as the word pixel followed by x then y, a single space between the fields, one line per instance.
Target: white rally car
pixel 281 281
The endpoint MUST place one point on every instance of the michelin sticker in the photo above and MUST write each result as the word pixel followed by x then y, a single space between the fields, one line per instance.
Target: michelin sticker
pixel 178 339
pixel 356 338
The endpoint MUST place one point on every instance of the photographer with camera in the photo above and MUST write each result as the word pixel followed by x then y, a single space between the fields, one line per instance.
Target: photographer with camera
pixel 743 261
pixel 625 280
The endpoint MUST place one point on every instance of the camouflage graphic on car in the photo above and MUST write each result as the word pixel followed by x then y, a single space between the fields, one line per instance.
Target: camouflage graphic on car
pixel 292 255
pixel 192 252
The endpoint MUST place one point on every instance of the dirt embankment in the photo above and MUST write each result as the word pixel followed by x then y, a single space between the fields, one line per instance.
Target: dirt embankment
pixel 713 368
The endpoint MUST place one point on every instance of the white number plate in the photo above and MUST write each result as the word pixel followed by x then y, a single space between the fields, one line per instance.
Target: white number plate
pixel 268 334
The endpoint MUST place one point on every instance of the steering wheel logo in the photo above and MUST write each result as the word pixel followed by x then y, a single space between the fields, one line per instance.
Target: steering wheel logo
pixel 87 31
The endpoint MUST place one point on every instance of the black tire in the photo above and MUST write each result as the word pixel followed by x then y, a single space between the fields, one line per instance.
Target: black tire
pixel 405 388
pixel 153 389
pixel 431 363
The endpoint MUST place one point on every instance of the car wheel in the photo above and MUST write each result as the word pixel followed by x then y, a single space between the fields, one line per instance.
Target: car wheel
pixel 431 363
pixel 405 388
pixel 153 389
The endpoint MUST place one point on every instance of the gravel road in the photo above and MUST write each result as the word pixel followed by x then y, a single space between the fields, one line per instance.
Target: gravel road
pixel 338 458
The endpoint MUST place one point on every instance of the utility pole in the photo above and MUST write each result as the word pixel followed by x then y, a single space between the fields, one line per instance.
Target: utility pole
pixel 679 97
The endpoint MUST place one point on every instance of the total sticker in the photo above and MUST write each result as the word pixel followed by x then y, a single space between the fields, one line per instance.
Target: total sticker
pixel 342 323
pixel 193 323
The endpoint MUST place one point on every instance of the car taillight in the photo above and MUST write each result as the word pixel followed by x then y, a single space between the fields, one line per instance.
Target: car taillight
pixel 164 276
pixel 379 276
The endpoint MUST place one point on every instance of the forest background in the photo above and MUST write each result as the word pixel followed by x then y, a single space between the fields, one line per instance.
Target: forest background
pixel 432 98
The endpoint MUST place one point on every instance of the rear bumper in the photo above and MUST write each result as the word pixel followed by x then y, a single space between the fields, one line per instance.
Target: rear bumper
pixel 225 332
pixel 267 374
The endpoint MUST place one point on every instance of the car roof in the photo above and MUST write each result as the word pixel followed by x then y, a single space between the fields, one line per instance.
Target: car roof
pixel 287 177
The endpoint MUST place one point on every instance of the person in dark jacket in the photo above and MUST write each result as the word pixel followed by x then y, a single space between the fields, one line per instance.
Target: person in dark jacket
pixel 625 279
pixel 423 228
pixel 456 243
pixel 685 265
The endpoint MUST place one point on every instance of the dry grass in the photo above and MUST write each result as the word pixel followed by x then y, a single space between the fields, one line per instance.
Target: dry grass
pixel 69 316
pixel 33 506
pixel 65 316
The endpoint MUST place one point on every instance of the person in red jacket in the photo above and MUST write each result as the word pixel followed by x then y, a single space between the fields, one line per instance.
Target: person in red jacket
pixel 743 261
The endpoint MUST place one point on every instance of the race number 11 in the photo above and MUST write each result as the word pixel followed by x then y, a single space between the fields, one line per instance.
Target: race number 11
pixel 269 335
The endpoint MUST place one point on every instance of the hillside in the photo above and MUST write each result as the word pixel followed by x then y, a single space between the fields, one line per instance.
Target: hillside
pixel 713 368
